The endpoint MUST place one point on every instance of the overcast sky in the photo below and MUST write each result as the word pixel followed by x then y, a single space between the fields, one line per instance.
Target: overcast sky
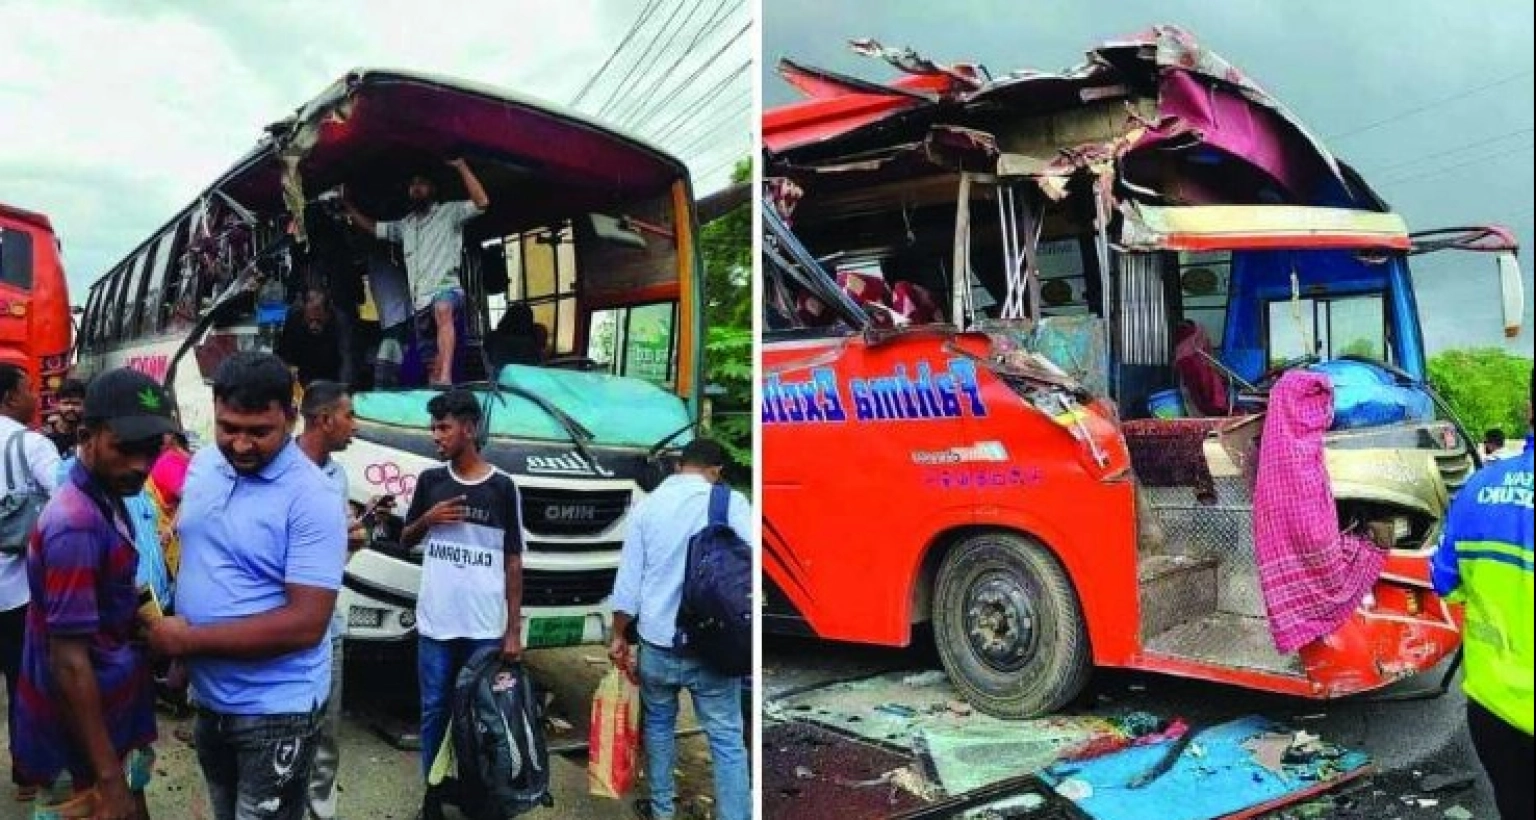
pixel 116 115
pixel 1399 90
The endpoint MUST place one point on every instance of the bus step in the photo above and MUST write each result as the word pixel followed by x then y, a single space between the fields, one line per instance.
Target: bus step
pixel 1175 589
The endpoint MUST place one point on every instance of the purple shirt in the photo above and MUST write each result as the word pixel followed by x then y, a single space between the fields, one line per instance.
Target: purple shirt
pixel 81 568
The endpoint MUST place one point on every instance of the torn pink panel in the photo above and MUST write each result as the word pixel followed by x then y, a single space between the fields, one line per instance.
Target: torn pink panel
pixel 1228 121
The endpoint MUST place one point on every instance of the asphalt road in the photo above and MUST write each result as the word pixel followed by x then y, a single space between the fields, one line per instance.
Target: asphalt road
pixel 381 782
pixel 1407 740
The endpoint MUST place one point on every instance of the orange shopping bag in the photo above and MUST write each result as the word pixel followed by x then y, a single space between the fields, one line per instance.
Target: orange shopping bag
pixel 614 752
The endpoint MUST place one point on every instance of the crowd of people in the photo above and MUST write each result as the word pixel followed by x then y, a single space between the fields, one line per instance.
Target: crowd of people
pixel 153 571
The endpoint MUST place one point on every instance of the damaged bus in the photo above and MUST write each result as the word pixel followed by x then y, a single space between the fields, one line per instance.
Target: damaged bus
pixel 590 233
pixel 1033 321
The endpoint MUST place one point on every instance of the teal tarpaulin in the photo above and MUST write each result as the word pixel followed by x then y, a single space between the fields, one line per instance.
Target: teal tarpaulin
pixel 617 411
pixel 1217 776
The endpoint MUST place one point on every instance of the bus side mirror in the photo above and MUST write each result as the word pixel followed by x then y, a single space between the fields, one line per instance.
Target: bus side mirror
pixel 1512 284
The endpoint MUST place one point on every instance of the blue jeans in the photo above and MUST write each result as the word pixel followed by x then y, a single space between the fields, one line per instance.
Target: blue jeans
pixel 717 703
pixel 437 670
pixel 257 766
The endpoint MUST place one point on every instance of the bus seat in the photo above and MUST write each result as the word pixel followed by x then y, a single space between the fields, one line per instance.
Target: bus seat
pixel 916 303
pixel 1203 384
pixel 864 287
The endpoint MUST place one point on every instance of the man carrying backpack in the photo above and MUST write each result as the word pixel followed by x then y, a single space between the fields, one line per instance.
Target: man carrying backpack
pixel 466 513
pixel 647 593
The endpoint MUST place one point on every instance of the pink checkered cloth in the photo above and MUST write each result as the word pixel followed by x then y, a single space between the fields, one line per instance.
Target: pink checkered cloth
pixel 1312 575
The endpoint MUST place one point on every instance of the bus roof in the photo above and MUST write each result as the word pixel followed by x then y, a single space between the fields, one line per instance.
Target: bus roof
pixel 394 121
pixel 23 215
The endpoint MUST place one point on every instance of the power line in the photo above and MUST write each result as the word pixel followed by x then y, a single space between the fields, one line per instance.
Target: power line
pixel 733 104
pixel 728 145
pixel 639 21
pixel 656 113
pixel 731 120
pixel 1419 109
pixel 720 166
pixel 1438 171
pixel 619 87
pixel 1458 149
pixel 699 102
pixel 640 101
pixel 627 102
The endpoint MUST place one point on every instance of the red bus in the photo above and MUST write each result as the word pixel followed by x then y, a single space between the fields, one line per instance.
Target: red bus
pixel 35 332
pixel 973 358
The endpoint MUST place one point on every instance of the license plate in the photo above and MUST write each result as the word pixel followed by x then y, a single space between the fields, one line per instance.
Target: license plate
pixel 562 631
pixel 366 617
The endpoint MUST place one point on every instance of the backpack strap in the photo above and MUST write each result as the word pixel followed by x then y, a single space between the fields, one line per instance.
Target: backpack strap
pixel 720 506
pixel 13 451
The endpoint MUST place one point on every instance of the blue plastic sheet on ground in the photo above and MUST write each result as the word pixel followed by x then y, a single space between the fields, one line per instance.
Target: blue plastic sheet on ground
pixel 1368 396
pixel 617 411
pixel 1215 777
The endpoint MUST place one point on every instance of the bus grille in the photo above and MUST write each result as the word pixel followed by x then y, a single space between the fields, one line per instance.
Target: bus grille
pixel 579 588
pixel 571 513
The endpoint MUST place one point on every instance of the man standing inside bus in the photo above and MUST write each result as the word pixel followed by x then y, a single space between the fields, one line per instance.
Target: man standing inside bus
pixel 39 463
pixel 468 515
pixel 432 235
pixel 263 542
pixel 1484 560
pixel 86 702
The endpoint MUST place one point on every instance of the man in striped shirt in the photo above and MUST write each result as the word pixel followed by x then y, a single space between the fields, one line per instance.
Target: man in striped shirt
pixel 86 700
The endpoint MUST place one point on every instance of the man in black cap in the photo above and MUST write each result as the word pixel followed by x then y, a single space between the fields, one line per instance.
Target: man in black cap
pixel 86 700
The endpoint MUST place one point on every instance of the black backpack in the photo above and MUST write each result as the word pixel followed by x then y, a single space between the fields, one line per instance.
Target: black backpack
pixel 498 739
pixel 714 619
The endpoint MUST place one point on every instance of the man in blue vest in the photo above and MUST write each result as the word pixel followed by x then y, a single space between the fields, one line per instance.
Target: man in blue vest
pixel 1484 561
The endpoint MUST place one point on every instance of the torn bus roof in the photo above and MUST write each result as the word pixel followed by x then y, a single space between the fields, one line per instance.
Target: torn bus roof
pixel 1259 227
pixel 379 124
pixel 1177 96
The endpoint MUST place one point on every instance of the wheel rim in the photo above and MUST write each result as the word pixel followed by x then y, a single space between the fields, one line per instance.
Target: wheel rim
pixel 1000 622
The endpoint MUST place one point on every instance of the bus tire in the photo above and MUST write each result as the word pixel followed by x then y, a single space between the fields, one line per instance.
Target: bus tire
pixel 1008 626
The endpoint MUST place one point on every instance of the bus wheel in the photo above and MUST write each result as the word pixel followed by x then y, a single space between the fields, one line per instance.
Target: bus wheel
pixel 1007 625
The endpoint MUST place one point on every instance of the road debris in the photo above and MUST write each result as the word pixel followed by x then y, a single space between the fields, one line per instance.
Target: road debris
pixel 929 678
pixel 1450 782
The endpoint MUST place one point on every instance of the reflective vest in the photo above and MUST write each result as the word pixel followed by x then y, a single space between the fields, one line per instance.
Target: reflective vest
pixel 1483 559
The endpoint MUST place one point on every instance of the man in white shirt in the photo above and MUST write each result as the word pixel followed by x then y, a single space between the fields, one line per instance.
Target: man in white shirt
pixel 647 592
pixel 432 238
pixel 18 406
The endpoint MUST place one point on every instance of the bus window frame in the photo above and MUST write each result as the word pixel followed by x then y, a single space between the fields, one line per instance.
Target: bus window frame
pixel 565 231
pixel 109 298
pixel 134 311
pixel 620 367
pixel 28 261
pixel 153 296
pixel 1322 323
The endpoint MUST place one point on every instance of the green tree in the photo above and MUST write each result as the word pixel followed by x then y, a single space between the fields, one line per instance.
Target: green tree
pixel 1485 387
pixel 726 244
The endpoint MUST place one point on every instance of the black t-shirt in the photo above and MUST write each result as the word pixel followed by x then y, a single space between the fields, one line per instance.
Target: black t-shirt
pixel 463 565
pixel 315 355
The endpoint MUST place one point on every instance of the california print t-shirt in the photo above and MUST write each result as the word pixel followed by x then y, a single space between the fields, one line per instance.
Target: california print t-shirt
pixel 463 565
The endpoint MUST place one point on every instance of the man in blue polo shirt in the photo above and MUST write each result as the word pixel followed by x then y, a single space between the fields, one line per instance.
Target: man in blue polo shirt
pixel 263 542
